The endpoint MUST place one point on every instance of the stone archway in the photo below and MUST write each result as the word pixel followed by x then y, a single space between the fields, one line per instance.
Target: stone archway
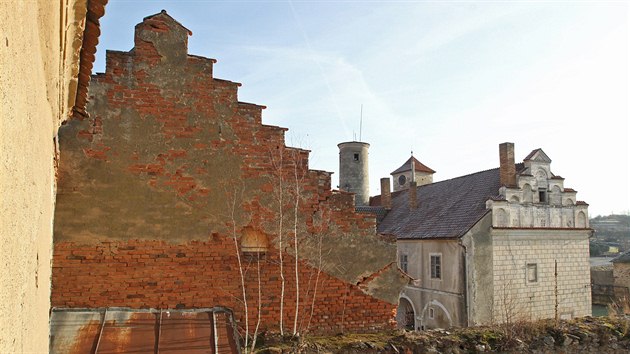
pixel 405 314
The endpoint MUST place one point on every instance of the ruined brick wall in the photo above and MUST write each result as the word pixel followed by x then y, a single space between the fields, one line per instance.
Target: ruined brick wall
pixel 156 274
pixel 170 158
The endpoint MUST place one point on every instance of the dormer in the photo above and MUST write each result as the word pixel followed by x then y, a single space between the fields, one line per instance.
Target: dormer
pixel 537 164
pixel 412 170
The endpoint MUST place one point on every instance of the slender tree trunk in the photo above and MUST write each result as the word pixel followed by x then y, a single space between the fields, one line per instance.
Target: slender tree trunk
pixel 240 265
pixel 259 303
pixel 295 241
pixel 278 167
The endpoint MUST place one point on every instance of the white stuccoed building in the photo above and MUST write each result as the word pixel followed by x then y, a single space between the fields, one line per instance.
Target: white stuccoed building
pixel 499 245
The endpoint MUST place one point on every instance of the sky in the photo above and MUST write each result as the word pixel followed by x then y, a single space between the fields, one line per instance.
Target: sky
pixel 448 80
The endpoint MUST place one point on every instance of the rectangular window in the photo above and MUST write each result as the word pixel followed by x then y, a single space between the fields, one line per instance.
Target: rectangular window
pixel 532 272
pixel 436 266
pixel 431 313
pixel 356 156
pixel 403 262
pixel 542 195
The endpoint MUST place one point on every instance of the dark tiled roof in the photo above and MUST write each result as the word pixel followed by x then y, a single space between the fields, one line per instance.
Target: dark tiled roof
pixel 420 167
pixel 446 209
pixel 379 211
pixel 376 200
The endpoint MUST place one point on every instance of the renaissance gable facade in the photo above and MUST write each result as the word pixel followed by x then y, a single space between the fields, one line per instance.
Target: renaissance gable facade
pixel 500 245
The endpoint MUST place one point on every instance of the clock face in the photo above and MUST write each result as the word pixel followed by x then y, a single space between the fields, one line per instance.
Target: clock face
pixel 401 180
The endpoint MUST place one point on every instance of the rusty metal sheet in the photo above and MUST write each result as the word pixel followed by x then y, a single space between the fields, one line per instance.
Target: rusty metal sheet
pixel 74 331
pixel 189 332
pixel 122 330
pixel 128 332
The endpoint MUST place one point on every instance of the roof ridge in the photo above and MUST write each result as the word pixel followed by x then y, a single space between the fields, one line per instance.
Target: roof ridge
pixel 458 177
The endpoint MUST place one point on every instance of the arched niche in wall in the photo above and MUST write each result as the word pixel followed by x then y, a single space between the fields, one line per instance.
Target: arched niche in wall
pixel 514 199
pixel 569 201
pixel 501 218
pixel 254 241
pixel 580 221
pixel 541 178
pixel 555 196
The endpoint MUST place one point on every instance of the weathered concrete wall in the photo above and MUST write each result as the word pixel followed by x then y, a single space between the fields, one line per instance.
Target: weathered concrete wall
pixel 445 295
pixel 515 297
pixel 479 287
pixel 621 275
pixel 602 285
pixel 170 154
pixel 39 47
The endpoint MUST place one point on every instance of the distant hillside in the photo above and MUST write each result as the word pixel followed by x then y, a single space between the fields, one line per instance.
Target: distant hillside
pixel 610 230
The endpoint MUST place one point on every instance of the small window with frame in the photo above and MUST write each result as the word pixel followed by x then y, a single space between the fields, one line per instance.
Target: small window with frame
pixel 542 195
pixel 431 313
pixel 403 262
pixel 356 156
pixel 436 266
pixel 531 273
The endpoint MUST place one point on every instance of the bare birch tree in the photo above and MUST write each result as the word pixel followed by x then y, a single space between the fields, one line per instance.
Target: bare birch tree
pixel 278 167
pixel 231 200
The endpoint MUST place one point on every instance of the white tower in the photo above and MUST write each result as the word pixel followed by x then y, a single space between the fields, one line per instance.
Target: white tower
pixel 354 176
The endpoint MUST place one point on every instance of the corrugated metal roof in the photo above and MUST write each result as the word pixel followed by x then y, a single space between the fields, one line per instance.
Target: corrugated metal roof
pixel 123 330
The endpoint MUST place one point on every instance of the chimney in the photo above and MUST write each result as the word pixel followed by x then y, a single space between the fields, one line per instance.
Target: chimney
pixel 507 170
pixel 386 194
pixel 413 190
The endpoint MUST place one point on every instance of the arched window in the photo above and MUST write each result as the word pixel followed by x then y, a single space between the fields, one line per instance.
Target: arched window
pixel 405 315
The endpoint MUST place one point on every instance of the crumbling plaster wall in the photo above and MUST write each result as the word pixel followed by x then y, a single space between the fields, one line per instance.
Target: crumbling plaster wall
pixel 479 284
pixel 169 154
pixel 39 60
